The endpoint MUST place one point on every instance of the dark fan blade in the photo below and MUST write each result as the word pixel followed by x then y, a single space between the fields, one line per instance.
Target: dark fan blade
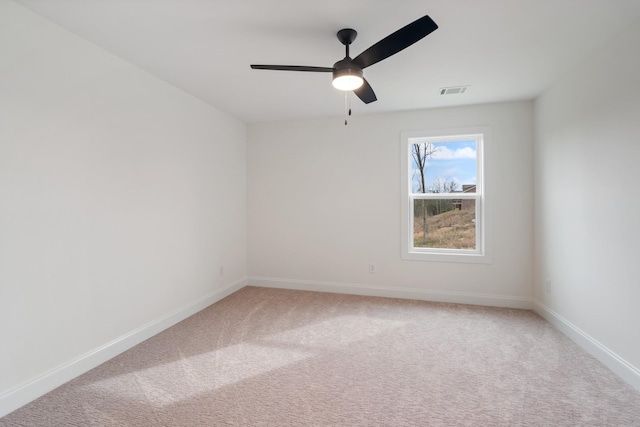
pixel 292 68
pixel 366 93
pixel 394 43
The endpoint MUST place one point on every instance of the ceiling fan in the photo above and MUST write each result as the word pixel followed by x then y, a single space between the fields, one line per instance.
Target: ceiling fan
pixel 347 73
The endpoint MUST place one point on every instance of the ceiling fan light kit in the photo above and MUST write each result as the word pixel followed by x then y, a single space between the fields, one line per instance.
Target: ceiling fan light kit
pixel 347 73
pixel 347 78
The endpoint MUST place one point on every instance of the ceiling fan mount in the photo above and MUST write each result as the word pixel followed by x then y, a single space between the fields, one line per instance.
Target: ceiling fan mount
pixel 347 36
pixel 348 73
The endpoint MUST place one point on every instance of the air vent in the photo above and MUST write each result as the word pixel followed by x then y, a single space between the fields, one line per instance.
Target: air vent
pixel 453 90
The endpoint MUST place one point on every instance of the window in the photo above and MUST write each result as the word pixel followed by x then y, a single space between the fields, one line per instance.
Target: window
pixel 444 209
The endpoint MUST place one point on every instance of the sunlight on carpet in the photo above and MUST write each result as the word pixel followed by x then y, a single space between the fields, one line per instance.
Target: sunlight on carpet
pixel 189 376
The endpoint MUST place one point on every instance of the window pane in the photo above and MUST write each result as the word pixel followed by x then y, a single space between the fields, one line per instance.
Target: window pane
pixel 444 224
pixel 443 167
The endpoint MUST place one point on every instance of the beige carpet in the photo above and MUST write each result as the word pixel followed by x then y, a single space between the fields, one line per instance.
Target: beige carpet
pixel 267 357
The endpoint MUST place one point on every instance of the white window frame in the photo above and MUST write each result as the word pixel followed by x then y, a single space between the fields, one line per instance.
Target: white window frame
pixel 483 252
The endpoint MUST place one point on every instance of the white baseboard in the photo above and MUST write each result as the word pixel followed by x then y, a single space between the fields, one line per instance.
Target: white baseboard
pixel 394 292
pixel 31 390
pixel 629 373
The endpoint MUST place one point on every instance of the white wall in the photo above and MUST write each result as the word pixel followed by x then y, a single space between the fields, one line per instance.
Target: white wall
pixel 120 198
pixel 587 222
pixel 324 201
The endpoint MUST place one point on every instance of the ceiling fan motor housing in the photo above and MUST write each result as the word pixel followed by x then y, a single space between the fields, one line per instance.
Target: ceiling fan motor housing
pixel 346 67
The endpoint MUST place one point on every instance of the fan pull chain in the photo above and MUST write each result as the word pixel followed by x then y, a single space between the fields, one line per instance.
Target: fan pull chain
pixel 347 107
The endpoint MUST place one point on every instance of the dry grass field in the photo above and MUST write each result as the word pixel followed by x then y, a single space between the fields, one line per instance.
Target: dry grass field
pixel 455 229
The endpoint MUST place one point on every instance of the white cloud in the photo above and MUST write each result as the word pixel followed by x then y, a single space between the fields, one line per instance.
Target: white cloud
pixel 445 153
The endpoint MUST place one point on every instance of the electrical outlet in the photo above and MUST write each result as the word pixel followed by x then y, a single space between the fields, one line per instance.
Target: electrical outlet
pixel 372 268
pixel 547 285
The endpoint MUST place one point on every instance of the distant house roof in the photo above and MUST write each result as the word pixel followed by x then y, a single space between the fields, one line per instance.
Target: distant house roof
pixel 469 188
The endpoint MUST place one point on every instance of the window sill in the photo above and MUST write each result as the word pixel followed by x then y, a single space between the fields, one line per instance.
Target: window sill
pixel 469 258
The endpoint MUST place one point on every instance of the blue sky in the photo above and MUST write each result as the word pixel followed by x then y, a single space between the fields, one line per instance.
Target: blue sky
pixel 454 160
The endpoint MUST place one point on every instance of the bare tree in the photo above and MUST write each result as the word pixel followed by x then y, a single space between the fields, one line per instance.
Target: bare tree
pixel 420 153
pixel 442 185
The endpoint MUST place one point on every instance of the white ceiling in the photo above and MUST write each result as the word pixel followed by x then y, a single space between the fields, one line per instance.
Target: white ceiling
pixel 503 49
